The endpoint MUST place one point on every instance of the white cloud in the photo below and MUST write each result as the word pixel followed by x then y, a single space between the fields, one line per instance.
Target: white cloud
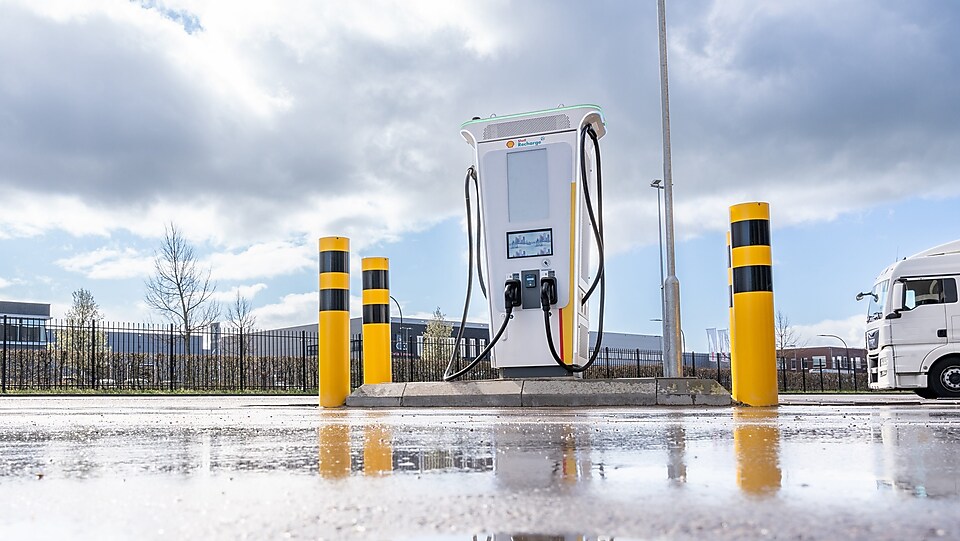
pixel 850 329
pixel 264 260
pixel 109 264
pixel 5 283
pixel 246 291
pixel 293 309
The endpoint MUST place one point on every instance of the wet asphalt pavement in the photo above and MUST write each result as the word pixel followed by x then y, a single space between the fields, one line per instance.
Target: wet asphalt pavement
pixel 279 468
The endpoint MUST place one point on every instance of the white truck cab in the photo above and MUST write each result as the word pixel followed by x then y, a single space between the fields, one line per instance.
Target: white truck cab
pixel 913 324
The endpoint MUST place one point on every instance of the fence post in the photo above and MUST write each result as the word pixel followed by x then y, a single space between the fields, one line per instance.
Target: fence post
pixel 303 360
pixel 783 374
pixel 93 355
pixel 170 374
pixel 241 358
pixel 3 365
pixel 839 377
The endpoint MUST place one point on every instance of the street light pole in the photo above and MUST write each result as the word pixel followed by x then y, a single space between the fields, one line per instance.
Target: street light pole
pixel 401 330
pixel 846 351
pixel 672 360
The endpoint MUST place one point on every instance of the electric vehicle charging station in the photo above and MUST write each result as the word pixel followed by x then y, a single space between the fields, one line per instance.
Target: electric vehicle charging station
pixel 533 172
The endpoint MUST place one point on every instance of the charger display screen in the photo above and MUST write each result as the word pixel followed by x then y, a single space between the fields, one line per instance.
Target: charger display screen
pixel 534 243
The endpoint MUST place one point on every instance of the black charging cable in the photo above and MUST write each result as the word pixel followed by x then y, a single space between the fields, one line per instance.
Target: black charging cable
pixel 548 284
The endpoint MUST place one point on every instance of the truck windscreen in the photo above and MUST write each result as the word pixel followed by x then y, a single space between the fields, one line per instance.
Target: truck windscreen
pixel 877 301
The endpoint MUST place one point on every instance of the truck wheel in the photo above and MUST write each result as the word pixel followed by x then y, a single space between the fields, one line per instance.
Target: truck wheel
pixel 925 393
pixel 944 379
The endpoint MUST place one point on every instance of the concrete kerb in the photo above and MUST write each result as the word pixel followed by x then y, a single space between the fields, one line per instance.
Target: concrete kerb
pixel 382 395
pixel 489 393
pixel 591 392
pixel 691 392
pixel 548 392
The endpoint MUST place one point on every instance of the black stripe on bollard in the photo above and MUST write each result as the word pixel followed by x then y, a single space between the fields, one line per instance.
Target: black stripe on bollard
pixel 376 313
pixel 376 279
pixel 334 300
pixel 750 233
pixel 334 261
pixel 752 278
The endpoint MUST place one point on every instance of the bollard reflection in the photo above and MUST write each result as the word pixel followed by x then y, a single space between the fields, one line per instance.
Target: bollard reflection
pixel 756 444
pixel 377 450
pixel 333 451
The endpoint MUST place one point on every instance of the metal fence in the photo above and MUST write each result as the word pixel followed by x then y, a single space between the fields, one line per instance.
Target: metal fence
pixel 64 356
pixel 61 356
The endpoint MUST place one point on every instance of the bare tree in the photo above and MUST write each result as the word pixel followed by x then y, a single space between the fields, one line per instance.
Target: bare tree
pixel 180 289
pixel 786 335
pixel 240 314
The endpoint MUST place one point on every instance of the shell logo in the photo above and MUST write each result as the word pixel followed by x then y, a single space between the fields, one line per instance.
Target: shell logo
pixel 510 144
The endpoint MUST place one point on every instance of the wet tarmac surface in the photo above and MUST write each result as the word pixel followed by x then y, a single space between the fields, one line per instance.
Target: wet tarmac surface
pixel 279 468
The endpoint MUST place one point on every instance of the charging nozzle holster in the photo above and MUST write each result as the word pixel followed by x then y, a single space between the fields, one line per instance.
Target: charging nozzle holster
pixel 548 292
pixel 511 294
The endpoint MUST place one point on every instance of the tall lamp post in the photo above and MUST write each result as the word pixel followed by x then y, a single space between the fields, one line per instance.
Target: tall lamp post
pixel 672 361
pixel 847 352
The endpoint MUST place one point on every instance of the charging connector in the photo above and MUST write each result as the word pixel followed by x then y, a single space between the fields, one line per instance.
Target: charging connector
pixel 511 299
pixel 548 292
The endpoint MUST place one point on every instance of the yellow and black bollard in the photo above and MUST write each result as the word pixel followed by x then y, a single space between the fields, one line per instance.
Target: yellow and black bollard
pixel 376 320
pixel 333 340
pixel 752 329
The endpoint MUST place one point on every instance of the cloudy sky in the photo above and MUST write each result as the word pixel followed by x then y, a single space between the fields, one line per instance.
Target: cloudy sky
pixel 259 127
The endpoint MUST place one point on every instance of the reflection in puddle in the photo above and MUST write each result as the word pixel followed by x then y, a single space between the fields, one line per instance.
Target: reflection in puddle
pixel 377 450
pixel 756 444
pixel 927 471
pixel 333 451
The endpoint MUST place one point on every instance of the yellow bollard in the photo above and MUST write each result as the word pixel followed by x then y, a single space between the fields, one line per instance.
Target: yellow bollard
pixel 333 340
pixel 756 444
pixel 376 320
pixel 752 328
pixel 731 333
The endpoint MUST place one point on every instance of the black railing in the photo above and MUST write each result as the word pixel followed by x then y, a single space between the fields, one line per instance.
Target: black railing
pixel 63 356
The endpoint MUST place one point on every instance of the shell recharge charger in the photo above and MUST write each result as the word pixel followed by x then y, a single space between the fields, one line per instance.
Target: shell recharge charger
pixel 534 174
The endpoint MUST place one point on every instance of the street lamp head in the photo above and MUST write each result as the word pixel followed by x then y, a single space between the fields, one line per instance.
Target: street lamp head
pixel 656 183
